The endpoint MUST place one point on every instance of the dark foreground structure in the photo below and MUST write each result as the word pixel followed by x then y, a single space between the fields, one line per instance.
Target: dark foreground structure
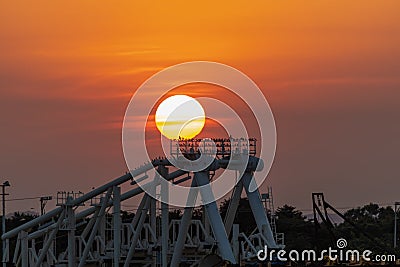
pixel 74 234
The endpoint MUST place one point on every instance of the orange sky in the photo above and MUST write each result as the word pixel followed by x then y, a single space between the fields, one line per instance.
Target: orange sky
pixel 330 70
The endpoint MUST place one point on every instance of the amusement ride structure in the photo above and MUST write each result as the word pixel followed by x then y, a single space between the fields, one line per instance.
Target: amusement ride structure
pixel 74 234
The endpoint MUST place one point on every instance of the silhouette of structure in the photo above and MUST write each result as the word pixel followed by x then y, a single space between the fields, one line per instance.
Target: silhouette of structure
pixel 99 237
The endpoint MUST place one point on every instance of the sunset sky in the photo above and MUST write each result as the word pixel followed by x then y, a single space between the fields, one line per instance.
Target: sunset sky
pixel 330 71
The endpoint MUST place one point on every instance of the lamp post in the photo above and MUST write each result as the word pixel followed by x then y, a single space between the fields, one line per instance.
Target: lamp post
pixel 396 209
pixel 43 202
pixel 3 218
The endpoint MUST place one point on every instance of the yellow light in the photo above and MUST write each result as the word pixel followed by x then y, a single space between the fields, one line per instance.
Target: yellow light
pixel 180 116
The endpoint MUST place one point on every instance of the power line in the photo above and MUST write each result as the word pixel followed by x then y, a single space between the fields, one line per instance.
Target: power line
pixel 25 198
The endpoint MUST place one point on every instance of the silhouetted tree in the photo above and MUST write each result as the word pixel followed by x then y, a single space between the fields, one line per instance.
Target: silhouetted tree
pixel 376 221
pixel 297 229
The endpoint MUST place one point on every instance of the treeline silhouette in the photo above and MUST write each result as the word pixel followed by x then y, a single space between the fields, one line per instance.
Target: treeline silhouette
pixel 300 231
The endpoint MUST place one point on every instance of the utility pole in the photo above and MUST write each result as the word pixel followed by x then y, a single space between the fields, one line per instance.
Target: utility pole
pixel 3 219
pixel 43 202
pixel 396 209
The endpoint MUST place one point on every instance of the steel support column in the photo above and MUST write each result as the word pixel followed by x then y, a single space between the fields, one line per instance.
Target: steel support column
pixel 235 241
pixel 396 209
pixel 24 249
pixel 164 218
pixel 117 224
pixel 153 214
pixel 71 233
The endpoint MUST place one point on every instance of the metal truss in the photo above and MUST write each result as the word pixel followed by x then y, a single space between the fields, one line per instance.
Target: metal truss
pixel 94 235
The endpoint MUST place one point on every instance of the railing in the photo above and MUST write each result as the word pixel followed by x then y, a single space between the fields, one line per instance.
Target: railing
pixel 221 147
pixel 63 196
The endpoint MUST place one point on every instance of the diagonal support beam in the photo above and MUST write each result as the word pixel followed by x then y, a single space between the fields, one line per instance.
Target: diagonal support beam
pixel 142 206
pixel 184 227
pixel 95 228
pixel 90 224
pixel 50 240
pixel 214 216
pixel 138 230
pixel 233 206
pixel 258 211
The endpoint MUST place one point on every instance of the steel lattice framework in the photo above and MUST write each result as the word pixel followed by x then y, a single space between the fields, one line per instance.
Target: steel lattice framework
pixel 97 237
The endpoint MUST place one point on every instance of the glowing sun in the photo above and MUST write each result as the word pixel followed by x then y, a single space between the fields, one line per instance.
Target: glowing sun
pixel 180 116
